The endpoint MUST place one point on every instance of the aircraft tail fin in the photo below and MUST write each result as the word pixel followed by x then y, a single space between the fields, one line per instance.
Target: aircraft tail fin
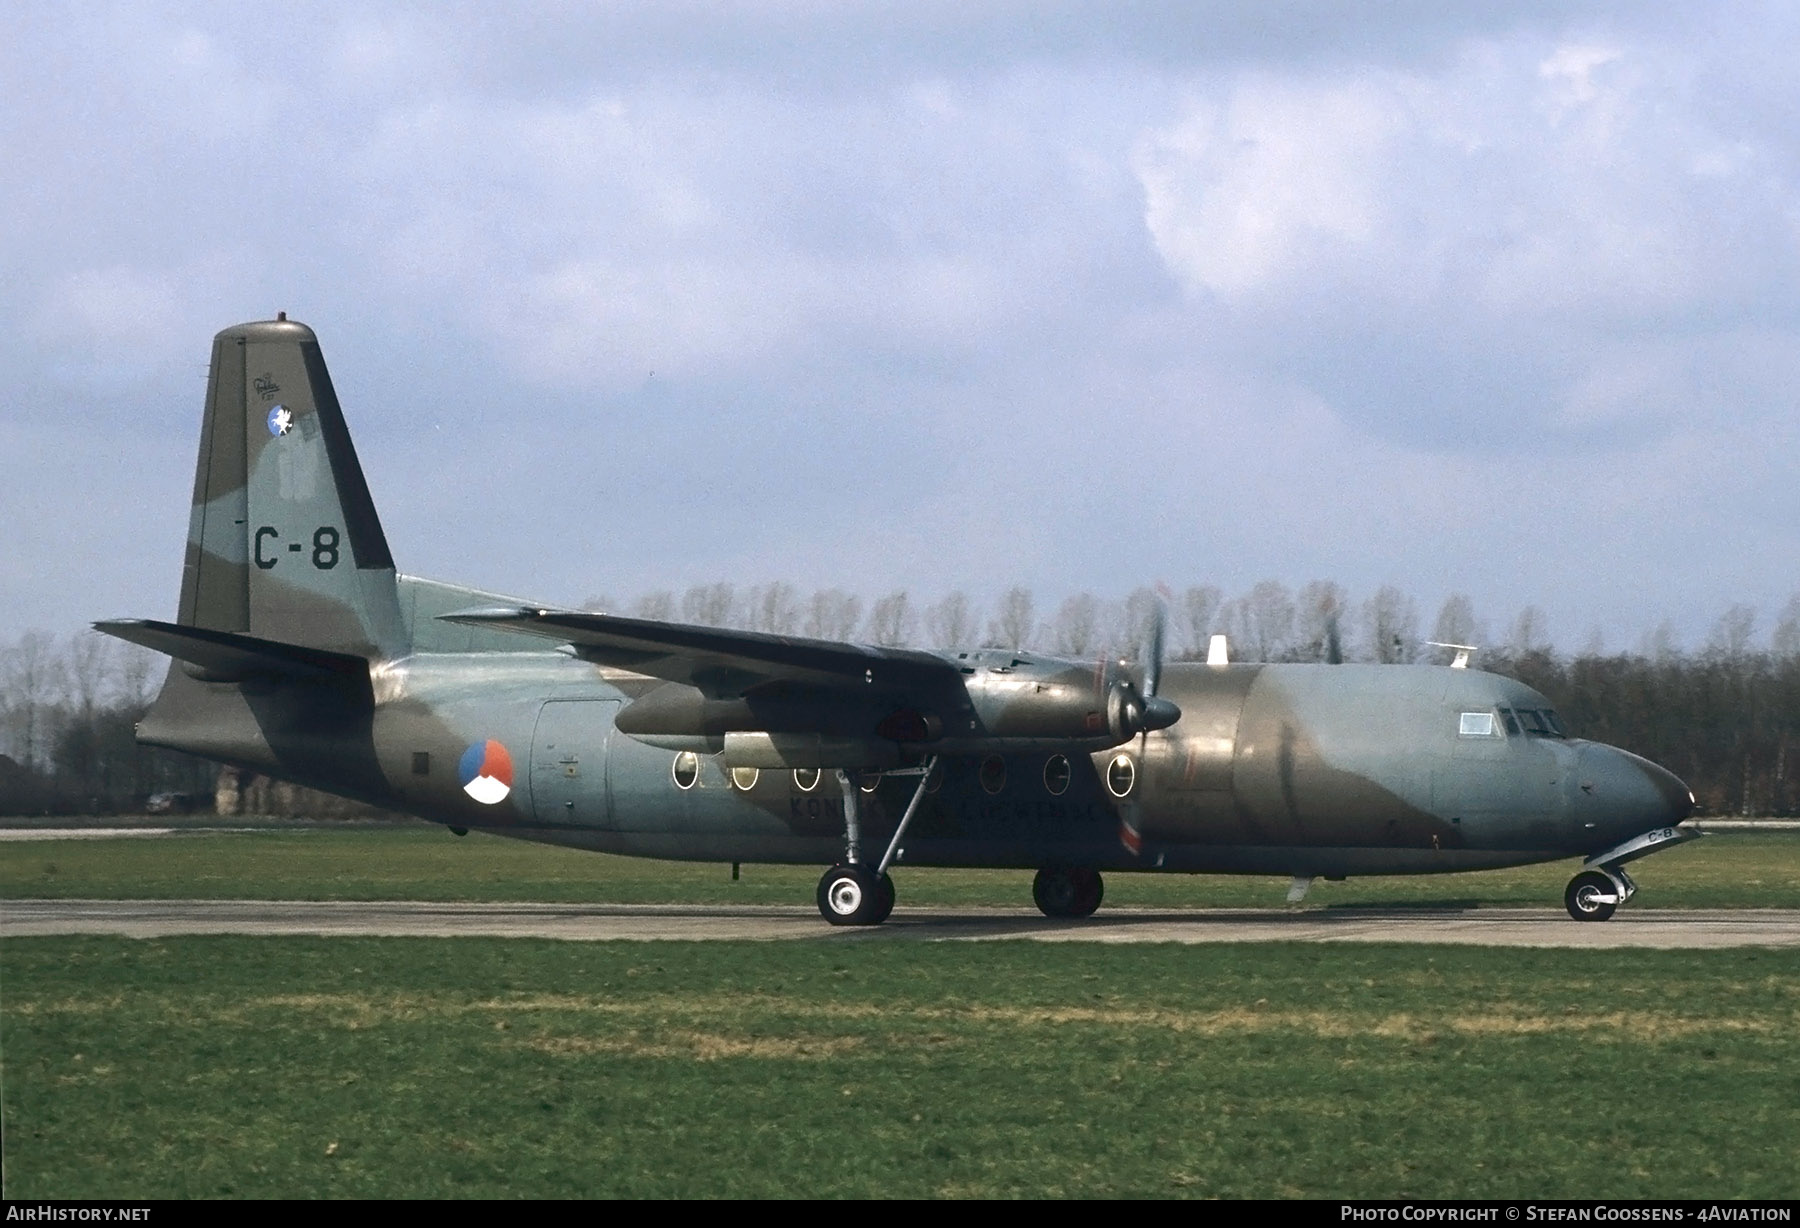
pixel 284 545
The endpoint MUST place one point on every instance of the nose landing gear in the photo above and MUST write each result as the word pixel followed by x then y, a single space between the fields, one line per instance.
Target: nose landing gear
pixel 1593 896
pixel 1596 893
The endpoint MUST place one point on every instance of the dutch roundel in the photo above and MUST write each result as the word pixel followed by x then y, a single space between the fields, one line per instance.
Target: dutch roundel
pixel 486 772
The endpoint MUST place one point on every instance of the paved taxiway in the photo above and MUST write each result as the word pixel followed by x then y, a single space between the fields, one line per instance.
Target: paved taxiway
pixel 1511 927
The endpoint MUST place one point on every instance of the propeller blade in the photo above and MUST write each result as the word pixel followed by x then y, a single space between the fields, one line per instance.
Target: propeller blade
pixel 1151 654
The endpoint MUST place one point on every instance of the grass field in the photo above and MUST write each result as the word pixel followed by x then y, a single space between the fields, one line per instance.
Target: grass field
pixel 242 1067
pixel 1731 870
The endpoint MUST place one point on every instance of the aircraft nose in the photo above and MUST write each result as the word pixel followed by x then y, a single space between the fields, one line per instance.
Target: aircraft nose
pixel 1624 794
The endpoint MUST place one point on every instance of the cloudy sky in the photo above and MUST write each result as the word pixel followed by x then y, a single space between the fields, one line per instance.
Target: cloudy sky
pixel 621 297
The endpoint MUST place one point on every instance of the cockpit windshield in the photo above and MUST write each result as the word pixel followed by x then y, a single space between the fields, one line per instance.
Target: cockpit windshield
pixel 1534 722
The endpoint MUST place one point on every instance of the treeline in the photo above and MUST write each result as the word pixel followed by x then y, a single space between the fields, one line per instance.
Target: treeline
pixel 1725 716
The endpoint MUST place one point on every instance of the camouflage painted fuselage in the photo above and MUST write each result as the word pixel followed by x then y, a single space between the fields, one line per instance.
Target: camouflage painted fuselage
pixel 301 653
pixel 1275 769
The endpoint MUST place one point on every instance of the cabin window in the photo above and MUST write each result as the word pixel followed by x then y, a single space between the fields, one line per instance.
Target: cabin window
pixel 806 779
pixel 685 769
pixel 1056 775
pixel 1477 725
pixel 1121 774
pixel 993 773
pixel 743 779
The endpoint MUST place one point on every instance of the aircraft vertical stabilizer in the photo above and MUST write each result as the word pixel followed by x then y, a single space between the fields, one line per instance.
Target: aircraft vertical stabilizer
pixel 284 543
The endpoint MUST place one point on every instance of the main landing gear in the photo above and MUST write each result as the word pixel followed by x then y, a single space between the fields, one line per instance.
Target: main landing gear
pixel 855 895
pixel 852 893
pixel 1068 892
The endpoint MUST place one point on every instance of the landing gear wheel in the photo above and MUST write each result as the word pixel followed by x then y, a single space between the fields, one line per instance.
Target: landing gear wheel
pixel 853 895
pixel 884 905
pixel 1591 896
pixel 1070 893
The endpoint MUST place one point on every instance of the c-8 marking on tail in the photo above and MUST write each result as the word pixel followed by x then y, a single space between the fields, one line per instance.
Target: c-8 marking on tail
pixel 325 542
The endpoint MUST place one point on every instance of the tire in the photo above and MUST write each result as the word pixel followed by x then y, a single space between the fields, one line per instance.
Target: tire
pixel 852 895
pixel 884 905
pixel 1067 894
pixel 1591 896
pixel 1091 889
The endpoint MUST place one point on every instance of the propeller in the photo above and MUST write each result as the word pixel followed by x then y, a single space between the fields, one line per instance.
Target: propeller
pixel 1150 711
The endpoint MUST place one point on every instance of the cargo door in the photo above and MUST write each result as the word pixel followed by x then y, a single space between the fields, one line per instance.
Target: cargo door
pixel 568 762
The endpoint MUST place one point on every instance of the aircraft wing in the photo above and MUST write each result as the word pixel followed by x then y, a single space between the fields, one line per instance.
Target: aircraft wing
pixel 721 663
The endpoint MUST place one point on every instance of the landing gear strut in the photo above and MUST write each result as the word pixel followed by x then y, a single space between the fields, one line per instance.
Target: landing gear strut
pixel 1073 892
pixel 852 892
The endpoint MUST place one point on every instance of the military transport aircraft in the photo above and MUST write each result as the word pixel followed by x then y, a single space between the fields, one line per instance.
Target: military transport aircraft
pixel 301 653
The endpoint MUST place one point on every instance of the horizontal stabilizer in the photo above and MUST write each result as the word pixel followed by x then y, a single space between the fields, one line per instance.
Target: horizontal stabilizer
pixel 231 656
pixel 720 662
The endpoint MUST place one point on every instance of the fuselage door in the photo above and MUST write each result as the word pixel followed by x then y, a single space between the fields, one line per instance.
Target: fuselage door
pixel 568 761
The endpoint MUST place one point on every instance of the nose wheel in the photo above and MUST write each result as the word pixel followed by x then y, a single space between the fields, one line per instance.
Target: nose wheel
pixel 1067 893
pixel 855 895
pixel 1592 896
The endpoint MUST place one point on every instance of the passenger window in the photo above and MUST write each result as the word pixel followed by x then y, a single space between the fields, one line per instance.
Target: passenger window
pixel 1477 725
pixel 1121 774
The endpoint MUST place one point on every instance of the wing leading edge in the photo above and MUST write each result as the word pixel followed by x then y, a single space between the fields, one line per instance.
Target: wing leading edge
pixel 721 663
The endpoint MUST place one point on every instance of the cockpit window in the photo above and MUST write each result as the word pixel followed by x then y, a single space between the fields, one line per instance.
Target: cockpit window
pixel 1538 722
pixel 1511 722
pixel 1477 725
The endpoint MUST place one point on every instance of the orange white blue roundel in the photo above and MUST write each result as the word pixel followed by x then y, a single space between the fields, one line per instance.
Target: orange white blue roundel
pixel 486 772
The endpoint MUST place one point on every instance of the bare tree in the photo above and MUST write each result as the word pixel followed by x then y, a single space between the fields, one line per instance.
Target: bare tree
pixel 33 682
pixel 832 614
pixel 1075 632
pixel 1197 618
pixel 1267 614
pixel 952 622
pixel 891 621
pixel 1786 640
pixel 137 668
pixel 1456 622
pixel 600 603
pixel 775 608
pixel 1391 626
pixel 1319 616
pixel 1530 632
pixel 1660 643
pixel 658 606
pixel 1732 633
pixel 1012 626
pixel 709 605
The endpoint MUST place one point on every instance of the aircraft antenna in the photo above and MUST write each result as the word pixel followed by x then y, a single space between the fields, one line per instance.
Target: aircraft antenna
pixel 1463 651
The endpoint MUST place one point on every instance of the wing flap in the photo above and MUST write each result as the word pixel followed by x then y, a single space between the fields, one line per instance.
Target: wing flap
pixel 720 662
